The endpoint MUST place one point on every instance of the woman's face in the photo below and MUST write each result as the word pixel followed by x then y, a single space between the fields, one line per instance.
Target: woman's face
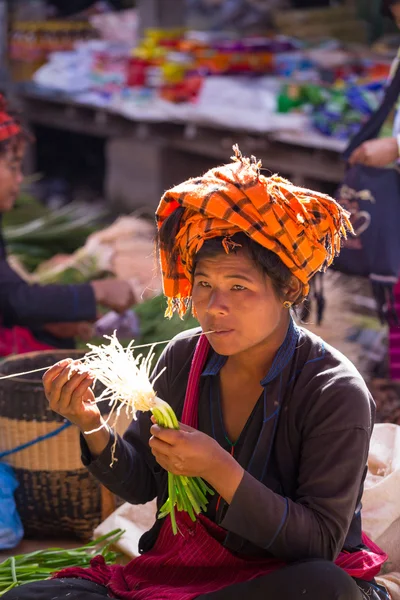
pixel 236 300
pixel 10 176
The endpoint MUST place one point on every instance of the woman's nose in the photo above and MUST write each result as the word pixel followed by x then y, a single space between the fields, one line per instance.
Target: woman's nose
pixel 217 304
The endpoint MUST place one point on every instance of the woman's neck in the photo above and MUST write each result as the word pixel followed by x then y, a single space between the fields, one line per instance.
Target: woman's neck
pixel 257 361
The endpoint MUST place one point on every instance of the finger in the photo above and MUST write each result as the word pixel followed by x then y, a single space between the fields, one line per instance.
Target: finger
pixel 363 157
pixel 353 156
pixel 53 387
pixel 64 398
pixel 54 371
pixel 83 394
pixel 159 446
pixel 186 428
pixel 356 156
pixel 360 154
pixel 162 460
pixel 153 420
pixel 169 436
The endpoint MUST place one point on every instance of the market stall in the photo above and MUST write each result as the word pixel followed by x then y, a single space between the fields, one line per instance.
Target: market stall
pixel 180 97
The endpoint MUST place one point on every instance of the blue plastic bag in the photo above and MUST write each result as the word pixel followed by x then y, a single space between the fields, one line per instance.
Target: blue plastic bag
pixel 11 529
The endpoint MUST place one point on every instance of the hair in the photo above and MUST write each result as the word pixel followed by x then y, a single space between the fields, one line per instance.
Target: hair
pixel 265 260
pixel 13 143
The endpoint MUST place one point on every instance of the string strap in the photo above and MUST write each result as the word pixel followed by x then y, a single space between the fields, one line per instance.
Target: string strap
pixel 190 408
pixel 41 369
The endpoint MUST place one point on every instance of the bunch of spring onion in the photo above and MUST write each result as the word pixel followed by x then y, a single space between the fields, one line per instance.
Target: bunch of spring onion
pixel 126 379
pixel 40 565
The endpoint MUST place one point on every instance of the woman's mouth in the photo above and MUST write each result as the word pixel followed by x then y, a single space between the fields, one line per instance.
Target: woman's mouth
pixel 221 332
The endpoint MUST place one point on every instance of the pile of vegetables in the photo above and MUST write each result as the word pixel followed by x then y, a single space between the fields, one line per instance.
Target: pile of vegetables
pixel 72 245
pixel 40 565
pixel 125 249
pixel 34 233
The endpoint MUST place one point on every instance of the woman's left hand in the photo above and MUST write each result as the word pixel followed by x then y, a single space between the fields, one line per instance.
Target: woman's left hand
pixel 376 153
pixel 185 451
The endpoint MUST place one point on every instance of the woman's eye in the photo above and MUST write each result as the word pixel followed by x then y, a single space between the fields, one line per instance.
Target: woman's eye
pixel 203 284
pixel 238 288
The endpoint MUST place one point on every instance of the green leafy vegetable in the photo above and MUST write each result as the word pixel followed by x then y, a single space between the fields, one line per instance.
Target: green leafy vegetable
pixel 42 564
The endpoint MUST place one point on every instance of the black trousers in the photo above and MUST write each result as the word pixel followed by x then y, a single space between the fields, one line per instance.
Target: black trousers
pixel 310 580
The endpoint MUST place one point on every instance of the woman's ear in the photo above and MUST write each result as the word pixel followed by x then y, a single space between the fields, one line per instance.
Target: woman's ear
pixel 294 291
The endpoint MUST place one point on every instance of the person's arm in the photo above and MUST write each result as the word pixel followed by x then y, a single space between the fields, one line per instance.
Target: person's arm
pixel 381 152
pixel 30 305
pixel 128 470
pixel 35 305
pixel 316 523
pixel 332 464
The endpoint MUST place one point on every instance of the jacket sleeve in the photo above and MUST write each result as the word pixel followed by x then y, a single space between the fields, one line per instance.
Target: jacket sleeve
pixel 35 305
pixel 332 465
pixel 132 475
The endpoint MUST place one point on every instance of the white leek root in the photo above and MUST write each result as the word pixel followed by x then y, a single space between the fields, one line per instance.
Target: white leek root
pixel 126 378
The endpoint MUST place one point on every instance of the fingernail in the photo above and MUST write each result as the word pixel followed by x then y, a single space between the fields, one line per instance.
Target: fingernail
pixel 65 362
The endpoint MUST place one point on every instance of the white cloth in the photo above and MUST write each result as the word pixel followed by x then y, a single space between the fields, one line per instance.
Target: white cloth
pixel 381 506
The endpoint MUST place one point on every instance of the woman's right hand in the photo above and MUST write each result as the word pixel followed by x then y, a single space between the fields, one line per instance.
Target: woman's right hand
pixel 68 389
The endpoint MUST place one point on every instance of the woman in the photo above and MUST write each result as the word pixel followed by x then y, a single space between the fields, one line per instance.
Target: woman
pixel 275 421
pixel 36 317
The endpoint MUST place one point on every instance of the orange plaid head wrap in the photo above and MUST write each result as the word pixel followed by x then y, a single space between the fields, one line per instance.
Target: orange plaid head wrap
pixel 304 228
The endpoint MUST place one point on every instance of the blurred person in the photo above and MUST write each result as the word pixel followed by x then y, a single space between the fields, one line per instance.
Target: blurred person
pixel 382 152
pixel 34 317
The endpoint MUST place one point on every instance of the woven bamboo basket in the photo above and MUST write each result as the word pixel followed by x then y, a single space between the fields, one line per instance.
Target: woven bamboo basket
pixel 56 496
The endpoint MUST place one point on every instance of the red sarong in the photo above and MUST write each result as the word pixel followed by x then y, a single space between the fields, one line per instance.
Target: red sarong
pixel 194 562
pixel 19 340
